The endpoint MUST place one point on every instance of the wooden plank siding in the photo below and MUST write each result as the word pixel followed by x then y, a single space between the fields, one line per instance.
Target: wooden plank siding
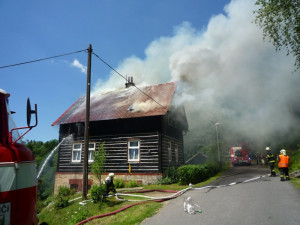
pixel 171 162
pixel 117 154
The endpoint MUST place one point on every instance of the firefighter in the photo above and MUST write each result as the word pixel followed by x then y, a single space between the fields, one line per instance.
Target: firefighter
pixel 271 161
pixel 283 165
pixel 109 184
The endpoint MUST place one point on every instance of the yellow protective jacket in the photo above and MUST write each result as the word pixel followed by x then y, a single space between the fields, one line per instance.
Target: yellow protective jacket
pixel 283 161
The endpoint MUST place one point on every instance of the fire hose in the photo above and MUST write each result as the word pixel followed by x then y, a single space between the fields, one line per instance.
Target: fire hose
pixel 157 199
pixel 150 199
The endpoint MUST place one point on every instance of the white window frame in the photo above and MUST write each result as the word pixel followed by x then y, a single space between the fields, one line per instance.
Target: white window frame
pixel 129 147
pixel 176 152
pixel 169 151
pixel 91 152
pixel 77 150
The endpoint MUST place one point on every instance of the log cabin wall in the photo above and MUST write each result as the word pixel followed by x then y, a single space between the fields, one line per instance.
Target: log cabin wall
pixel 172 152
pixel 116 149
pixel 172 141
pixel 161 144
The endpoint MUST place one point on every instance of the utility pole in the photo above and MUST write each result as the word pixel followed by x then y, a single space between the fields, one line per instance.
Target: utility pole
pixel 219 160
pixel 87 123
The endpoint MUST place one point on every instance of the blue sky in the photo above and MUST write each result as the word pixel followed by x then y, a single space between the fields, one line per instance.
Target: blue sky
pixel 212 47
pixel 115 28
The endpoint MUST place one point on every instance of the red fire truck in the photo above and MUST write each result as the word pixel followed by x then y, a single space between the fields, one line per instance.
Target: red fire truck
pixel 240 156
pixel 18 182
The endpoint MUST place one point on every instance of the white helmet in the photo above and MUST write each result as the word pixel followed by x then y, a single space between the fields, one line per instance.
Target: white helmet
pixel 283 152
pixel 111 174
pixel 268 149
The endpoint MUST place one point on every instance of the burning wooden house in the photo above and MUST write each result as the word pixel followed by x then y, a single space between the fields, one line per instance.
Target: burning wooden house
pixel 142 131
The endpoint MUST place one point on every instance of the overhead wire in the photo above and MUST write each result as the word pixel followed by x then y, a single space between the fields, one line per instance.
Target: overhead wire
pixel 75 52
pixel 42 59
pixel 126 81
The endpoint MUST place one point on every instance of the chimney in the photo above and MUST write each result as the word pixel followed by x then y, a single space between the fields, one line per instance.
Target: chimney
pixel 129 82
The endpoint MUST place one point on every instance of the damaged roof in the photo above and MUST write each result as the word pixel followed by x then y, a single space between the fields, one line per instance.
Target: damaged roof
pixel 125 103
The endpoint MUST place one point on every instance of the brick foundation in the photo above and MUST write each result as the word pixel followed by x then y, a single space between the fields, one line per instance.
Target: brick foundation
pixel 74 180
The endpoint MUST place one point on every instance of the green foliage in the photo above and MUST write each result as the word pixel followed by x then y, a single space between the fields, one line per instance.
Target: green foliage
pixel 171 174
pixel 75 213
pixel 61 200
pixel 99 160
pixel 196 173
pixel 165 180
pixel 43 203
pixel 97 192
pixel 80 215
pixel 294 159
pixel 280 21
pixel 41 150
pixel 119 183
pixel 131 184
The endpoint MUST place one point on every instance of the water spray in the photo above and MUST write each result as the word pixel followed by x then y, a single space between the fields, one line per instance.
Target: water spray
pixel 51 153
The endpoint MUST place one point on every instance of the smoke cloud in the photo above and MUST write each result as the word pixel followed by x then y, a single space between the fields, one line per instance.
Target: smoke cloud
pixel 227 74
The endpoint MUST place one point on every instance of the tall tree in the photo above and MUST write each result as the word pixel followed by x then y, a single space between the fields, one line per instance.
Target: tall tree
pixel 280 21
pixel 97 166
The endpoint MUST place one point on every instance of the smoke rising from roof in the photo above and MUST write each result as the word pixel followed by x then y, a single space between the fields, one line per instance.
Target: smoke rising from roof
pixel 226 73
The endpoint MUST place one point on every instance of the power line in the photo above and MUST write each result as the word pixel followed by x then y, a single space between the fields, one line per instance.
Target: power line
pixel 126 81
pixel 42 59
pixel 84 50
pixel 109 66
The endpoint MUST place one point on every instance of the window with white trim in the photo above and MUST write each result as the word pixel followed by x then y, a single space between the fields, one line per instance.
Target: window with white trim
pixel 169 151
pixel 76 152
pixel 92 147
pixel 133 150
pixel 176 152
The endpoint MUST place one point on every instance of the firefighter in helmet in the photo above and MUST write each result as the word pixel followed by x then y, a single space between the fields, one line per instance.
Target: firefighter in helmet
pixel 271 161
pixel 109 184
pixel 283 165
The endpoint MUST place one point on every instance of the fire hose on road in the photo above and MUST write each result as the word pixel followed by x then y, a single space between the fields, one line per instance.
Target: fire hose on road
pixel 157 199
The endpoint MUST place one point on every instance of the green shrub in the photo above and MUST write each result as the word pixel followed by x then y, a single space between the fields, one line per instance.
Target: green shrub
pixel 166 180
pixel 196 173
pixel 171 174
pixel 294 159
pixel 61 200
pixel 97 192
pixel 131 183
pixel 119 183
pixel 81 215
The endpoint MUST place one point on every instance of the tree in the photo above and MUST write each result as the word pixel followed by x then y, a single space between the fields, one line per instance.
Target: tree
pixel 98 164
pixel 280 21
pixel 41 150
pixel 97 167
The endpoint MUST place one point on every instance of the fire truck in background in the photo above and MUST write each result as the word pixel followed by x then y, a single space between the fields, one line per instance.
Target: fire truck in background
pixel 18 180
pixel 240 156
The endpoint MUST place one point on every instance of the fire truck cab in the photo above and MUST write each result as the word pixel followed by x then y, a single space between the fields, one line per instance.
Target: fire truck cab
pixel 240 156
pixel 18 182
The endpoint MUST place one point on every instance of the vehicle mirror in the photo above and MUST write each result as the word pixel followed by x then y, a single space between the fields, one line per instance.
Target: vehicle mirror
pixel 28 112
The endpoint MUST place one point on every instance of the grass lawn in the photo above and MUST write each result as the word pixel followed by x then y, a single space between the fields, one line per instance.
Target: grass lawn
pixel 76 213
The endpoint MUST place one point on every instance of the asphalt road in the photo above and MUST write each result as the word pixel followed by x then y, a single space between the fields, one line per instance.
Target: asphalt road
pixel 255 199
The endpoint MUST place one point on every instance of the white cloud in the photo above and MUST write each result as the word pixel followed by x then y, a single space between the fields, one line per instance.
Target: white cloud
pixel 77 64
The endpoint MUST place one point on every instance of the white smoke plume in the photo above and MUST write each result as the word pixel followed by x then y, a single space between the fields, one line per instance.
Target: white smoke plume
pixel 227 74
